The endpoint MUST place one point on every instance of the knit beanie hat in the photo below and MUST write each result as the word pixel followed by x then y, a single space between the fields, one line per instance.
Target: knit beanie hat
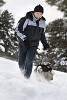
pixel 45 59
pixel 39 8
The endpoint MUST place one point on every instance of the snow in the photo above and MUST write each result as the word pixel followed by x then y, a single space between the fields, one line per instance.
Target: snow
pixel 13 86
pixel 2 48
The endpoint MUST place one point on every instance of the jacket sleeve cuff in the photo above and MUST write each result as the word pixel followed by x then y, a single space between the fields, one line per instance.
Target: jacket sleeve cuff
pixel 23 37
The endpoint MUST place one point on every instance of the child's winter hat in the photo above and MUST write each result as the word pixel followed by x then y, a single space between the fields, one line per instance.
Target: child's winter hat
pixel 45 59
pixel 39 8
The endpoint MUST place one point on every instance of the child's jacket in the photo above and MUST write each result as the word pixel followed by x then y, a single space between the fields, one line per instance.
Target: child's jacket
pixel 44 68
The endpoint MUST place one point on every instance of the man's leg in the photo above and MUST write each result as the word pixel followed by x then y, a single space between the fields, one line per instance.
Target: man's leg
pixel 22 57
pixel 29 60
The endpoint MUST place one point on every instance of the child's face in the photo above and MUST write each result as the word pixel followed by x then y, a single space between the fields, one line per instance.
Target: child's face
pixel 38 15
pixel 45 63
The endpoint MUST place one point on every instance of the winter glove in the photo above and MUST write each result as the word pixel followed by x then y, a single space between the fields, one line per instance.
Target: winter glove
pixel 26 43
pixel 45 46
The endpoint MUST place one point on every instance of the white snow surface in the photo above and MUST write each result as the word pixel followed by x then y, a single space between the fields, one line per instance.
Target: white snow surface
pixel 13 86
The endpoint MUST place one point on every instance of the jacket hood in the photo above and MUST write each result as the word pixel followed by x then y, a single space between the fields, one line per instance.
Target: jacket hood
pixel 30 16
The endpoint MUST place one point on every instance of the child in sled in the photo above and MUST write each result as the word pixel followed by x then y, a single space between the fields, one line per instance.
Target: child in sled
pixel 45 69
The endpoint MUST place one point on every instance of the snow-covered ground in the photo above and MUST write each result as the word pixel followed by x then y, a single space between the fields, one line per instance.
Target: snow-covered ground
pixel 13 86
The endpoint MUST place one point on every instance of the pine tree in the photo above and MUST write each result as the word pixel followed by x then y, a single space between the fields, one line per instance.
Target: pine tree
pixel 61 4
pixel 8 40
pixel 6 28
pixel 2 3
pixel 58 41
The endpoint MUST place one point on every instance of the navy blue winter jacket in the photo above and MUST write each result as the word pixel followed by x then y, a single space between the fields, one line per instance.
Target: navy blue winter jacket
pixel 31 29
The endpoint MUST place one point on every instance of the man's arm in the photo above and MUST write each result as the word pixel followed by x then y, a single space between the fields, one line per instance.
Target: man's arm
pixel 44 41
pixel 20 31
pixel 20 28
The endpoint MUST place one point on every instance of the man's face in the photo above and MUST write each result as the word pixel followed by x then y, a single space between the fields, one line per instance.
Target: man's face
pixel 38 15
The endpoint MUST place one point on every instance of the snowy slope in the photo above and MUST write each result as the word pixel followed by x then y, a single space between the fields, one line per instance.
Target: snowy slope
pixel 13 86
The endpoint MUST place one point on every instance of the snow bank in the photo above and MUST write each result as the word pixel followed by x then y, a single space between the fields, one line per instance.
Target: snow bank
pixel 13 86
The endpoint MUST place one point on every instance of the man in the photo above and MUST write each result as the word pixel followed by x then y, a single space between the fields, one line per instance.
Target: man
pixel 30 30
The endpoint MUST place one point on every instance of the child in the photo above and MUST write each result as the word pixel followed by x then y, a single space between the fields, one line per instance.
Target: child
pixel 45 69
